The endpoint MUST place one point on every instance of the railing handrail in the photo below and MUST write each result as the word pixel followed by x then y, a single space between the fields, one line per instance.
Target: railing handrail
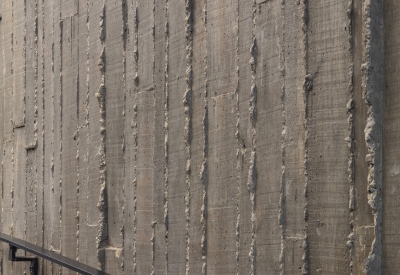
pixel 51 256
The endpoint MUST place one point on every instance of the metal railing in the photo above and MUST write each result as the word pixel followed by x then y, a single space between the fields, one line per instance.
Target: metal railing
pixel 16 244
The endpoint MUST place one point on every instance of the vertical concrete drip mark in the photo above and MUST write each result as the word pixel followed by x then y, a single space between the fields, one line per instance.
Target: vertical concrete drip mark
pixel 153 236
pixel 252 176
pixel 204 169
pixel 372 84
pixel 24 115
pixel 87 75
pixel 350 140
pixel 87 87
pixel 307 86
pixel 43 128
pixel 77 139
pixel 135 135
pixel 86 101
pixel 238 140
pixel 24 69
pixel 2 152
pixel 61 115
pixel 187 103
pixel 1 141
pixel 35 27
pixel 77 189
pixel 35 127
pixel 52 133
pixel 166 134
pixel 102 234
pixel 61 131
pixel 124 41
pixel 12 182
pixel 282 209
pixel 80 126
pixel 153 224
pixel 12 135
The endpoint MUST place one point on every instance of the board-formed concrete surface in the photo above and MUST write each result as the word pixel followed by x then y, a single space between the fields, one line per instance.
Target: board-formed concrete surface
pixel 202 136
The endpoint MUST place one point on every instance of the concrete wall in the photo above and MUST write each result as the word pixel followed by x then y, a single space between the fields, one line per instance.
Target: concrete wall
pixel 202 136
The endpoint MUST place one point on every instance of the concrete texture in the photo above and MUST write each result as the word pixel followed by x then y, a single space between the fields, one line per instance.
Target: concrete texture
pixel 202 137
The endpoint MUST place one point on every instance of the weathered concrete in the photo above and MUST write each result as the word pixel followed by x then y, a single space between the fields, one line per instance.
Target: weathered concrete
pixel 390 140
pixel 159 162
pixel 244 135
pixel 95 137
pixel 82 131
pixel 51 214
pixel 200 136
pixel 145 137
pixel 361 237
pixel 268 124
pixel 130 139
pixel 176 149
pixel 69 105
pixel 197 191
pixel 222 88
pixel 326 84
pixel 294 133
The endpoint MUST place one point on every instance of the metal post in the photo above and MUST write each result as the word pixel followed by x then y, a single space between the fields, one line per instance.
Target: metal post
pixel 33 260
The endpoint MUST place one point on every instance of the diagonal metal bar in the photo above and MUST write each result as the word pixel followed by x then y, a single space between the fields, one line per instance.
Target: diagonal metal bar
pixel 51 256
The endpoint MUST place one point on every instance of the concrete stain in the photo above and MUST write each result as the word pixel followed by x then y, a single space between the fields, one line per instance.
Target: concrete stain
pixel 187 103
pixel 307 86
pixel 135 132
pixel 166 133
pixel 102 234
pixel 252 174
pixel 204 168
pixel 350 141
pixel 372 72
